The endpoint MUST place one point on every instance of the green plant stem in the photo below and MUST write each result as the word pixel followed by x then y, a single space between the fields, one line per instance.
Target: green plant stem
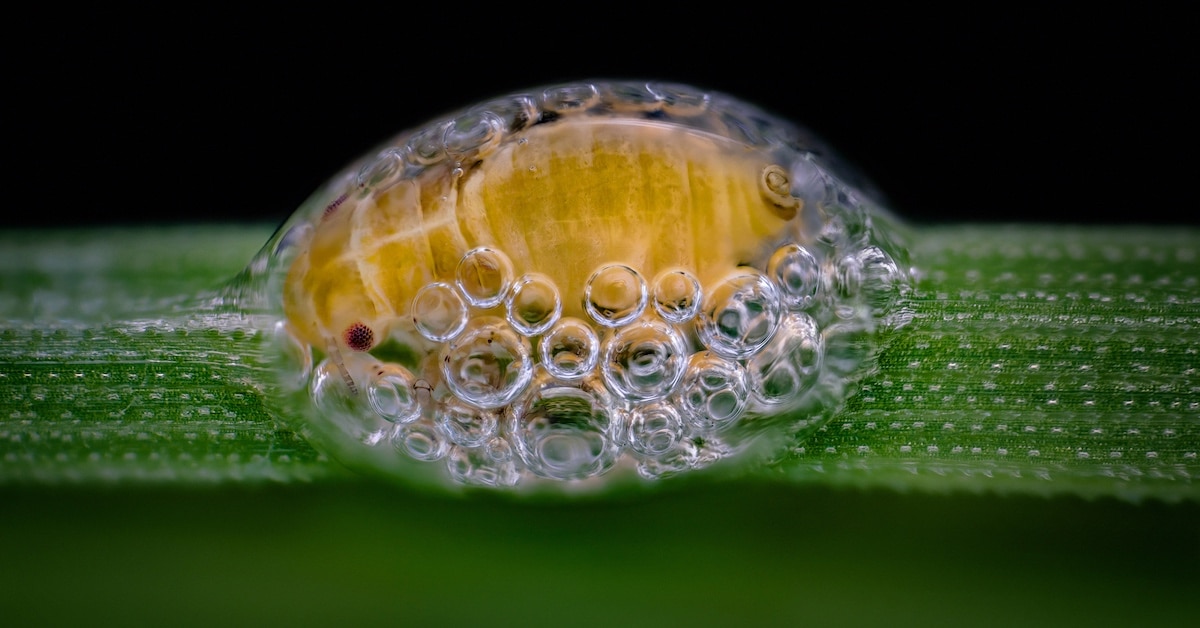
pixel 1038 360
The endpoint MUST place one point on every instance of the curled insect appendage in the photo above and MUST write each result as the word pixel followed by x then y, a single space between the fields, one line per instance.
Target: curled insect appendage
pixel 585 282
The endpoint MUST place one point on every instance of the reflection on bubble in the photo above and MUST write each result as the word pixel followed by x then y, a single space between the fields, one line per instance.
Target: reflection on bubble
pixel 484 276
pixel 488 365
pixel 644 360
pixel 570 350
pixel 490 464
pixel 473 131
pixel 465 425
pixel 565 432
pixel 392 392
pixel 677 296
pixel 739 315
pixel 797 273
pixel 421 441
pixel 534 304
pixel 714 392
pixel 438 312
pixel 654 428
pixel 615 295
pixel 789 366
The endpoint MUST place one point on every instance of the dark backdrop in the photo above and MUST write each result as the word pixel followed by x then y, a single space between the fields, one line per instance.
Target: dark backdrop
pixel 126 117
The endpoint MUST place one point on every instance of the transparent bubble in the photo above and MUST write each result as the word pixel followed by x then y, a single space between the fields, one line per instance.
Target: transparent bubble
pixel 654 428
pixel 797 273
pixel 465 425
pixel 570 97
pixel 439 312
pixel 677 296
pixel 615 295
pixel 490 464
pixel 335 385
pixel 565 432
pixel 790 365
pixel 680 100
pixel 392 393
pixel 714 392
pixel 629 97
pixel 425 147
pixel 421 441
pixel 847 277
pixel 644 360
pixel 677 459
pixel 739 315
pixel 534 304
pixel 383 172
pixel 484 276
pixel 488 365
pixel 472 292
pixel 880 279
pixel 570 350
pixel 515 112
pixel 474 131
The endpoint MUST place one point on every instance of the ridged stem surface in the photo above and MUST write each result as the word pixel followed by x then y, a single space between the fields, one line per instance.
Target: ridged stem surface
pixel 1038 360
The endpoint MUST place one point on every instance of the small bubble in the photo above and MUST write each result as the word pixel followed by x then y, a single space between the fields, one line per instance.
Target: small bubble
pixel 680 100
pixel 570 98
pixel 515 112
pixel 342 405
pixel 534 304
pixel 570 350
pixel 797 273
pixel 488 365
pixel 790 365
pixel 880 279
pixel 439 312
pixel 714 392
pixel 465 425
pixel 615 295
pixel 425 147
pixel 683 456
pixel 630 97
pixel 739 315
pixel 654 428
pixel 565 432
pixel 644 360
pixel 474 131
pixel 488 465
pixel 383 172
pixel 677 296
pixel 421 441
pixel 484 276
pixel 393 395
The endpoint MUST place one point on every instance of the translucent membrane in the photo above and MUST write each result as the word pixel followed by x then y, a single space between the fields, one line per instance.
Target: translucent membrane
pixel 600 279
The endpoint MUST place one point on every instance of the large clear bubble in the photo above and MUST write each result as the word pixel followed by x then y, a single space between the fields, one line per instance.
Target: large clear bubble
pixel 574 284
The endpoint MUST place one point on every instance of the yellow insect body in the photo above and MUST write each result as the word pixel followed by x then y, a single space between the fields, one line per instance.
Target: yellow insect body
pixel 561 199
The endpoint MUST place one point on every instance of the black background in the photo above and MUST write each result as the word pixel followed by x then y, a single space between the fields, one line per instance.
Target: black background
pixel 132 117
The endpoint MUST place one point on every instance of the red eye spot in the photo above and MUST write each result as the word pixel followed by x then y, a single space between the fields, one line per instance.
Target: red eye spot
pixel 332 207
pixel 359 337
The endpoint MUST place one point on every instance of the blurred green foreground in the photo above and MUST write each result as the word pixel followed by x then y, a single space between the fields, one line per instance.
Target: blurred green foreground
pixel 110 515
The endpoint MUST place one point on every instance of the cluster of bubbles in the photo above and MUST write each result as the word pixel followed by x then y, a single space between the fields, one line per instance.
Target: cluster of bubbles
pixel 660 374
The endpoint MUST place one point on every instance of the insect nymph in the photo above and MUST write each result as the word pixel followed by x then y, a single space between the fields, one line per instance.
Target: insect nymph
pixel 549 284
